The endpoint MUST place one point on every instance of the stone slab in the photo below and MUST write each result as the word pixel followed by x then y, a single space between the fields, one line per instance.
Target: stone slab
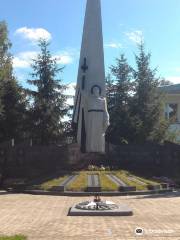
pixel 69 180
pixel 63 185
pixel 121 185
pixel 153 187
pixel 164 185
pixel 122 211
pixel 116 180
pixel 58 188
pixel 127 188
pixel 93 183
pixel 137 180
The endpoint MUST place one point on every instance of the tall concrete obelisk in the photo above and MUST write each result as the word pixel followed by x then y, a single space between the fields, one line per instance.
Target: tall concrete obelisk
pixel 90 104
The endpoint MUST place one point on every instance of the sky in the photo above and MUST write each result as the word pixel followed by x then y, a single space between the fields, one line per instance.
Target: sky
pixel 125 23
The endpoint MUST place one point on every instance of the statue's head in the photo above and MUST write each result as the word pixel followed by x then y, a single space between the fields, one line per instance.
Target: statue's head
pixel 96 90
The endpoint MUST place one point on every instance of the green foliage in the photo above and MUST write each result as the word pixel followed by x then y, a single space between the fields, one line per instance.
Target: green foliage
pixel 53 182
pixel 134 102
pixel 49 101
pixel 173 135
pixel 5 66
pixel 106 183
pixel 119 93
pixel 79 184
pixel 1 105
pixel 16 237
pixel 164 82
pixel 12 98
pixel 12 122
pixel 147 101
pixel 133 180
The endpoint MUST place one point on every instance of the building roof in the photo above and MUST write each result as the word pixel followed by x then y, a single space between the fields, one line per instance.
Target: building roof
pixel 171 89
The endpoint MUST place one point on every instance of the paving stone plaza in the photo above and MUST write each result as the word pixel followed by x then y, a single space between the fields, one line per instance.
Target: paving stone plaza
pixel 106 135
pixel 45 217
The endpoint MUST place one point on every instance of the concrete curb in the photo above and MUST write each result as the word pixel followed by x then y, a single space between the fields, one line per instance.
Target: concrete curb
pixel 84 194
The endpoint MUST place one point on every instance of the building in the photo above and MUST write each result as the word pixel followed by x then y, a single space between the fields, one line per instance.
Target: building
pixel 172 107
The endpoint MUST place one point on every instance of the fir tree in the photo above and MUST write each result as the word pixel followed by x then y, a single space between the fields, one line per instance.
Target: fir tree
pixel 123 78
pixel 49 102
pixel 110 93
pixel 4 46
pixel 147 101
pixel 1 105
pixel 12 98
pixel 119 94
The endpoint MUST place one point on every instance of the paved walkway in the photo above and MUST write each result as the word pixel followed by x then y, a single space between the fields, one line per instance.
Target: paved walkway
pixel 45 217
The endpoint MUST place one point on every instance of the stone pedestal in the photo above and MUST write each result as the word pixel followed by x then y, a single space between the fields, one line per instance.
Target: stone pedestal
pixel 122 210
pixel 74 154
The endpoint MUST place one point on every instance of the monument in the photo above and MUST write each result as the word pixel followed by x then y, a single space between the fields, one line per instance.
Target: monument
pixel 90 108
pixel 90 114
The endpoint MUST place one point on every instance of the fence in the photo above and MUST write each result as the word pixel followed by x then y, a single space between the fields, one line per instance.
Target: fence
pixel 147 155
pixel 26 160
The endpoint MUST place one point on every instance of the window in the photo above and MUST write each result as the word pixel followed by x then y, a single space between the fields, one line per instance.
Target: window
pixel 171 111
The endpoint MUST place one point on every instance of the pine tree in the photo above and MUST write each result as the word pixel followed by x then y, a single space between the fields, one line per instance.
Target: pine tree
pixel 49 102
pixel 123 76
pixel 119 95
pixel 4 46
pixel 12 98
pixel 147 101
pixel 1 106
pixel 110 93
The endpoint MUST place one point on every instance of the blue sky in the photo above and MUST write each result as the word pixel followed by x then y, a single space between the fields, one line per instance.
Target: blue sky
pixel 124 24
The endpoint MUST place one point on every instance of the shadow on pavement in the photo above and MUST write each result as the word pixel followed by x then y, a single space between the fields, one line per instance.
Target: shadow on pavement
pixel 165 195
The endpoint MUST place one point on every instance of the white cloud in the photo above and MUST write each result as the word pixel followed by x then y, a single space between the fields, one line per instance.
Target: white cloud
pixel 71 88
pixel 135 36
pixel 64 58
pixel 33 34
pixel 113 45
pixel 20 63
pixel 174 79
pixel 70 92
pixel 24 59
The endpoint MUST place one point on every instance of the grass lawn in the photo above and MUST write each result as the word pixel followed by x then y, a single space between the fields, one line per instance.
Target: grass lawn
pixel 53 182
pixel 124 176
pixel 17 237
pixel 80 183
pixel 147 181
pixel 106 183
